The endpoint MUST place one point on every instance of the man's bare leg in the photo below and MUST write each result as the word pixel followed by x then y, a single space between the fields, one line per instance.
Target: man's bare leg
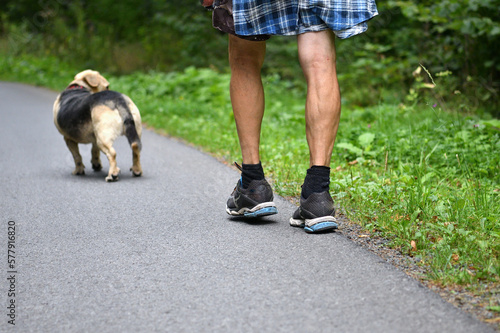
pixel 318 60
pixel 247 94
pixel 252 196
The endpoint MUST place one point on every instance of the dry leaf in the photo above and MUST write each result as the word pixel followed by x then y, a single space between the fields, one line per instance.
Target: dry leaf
pixel 455 257
pixel 413 245
pixel 493 320
pixel 353 162
pixel 364 236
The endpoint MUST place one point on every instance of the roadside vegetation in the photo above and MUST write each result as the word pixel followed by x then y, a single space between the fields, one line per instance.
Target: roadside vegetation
pixel 417 157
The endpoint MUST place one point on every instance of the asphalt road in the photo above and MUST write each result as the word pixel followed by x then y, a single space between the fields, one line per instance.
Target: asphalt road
pixel 160 254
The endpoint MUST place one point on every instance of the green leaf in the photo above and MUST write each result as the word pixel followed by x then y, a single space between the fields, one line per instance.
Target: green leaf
pixel 415 214
pixel 495 31
pixel 366 139
pixel 350 147
pixel 492 123
pixel 426 177
pixel 464 135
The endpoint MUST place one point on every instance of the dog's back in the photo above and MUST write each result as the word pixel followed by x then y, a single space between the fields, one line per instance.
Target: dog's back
pixel 74 115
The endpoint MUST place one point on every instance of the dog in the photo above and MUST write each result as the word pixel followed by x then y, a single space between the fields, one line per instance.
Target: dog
pixel 88 112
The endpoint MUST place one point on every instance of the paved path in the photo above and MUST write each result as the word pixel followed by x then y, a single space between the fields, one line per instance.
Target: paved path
pixel 159 254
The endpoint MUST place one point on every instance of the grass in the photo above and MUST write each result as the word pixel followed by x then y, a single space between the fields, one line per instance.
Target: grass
pixel 427 180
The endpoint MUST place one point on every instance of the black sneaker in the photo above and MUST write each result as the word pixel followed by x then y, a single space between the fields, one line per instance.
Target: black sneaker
pixel 315 214
pixel 251 202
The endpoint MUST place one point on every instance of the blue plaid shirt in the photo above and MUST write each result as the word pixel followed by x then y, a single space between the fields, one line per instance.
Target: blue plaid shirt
pixel 291 17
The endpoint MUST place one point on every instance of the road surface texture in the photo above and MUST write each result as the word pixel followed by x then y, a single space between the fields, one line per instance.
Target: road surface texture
pixel 159 253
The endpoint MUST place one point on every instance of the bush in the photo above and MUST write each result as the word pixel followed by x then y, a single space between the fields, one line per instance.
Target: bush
pixel 458 37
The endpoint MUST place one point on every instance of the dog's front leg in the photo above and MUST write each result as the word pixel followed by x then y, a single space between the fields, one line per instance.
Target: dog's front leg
pixel 73 148
pixel 96 159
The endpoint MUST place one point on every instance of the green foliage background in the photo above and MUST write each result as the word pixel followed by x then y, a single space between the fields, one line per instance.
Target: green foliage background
pixel 456 37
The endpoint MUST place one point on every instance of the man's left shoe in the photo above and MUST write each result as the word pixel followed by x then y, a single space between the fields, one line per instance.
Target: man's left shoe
pixel 315 214
pixel 254 201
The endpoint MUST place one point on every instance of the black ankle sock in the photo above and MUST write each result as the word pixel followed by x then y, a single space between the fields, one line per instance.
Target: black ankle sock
pixel 317 180
pixel 251 172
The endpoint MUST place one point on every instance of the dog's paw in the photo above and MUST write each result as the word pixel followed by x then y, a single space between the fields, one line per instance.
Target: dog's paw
pixel 113 176
pixel 97 167
pixel 137 172
pixel 79 172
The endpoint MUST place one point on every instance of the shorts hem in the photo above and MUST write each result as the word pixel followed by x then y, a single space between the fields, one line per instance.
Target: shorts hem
pixel 354 30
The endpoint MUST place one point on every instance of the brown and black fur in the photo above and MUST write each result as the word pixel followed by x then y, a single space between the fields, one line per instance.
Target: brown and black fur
pixel 87 112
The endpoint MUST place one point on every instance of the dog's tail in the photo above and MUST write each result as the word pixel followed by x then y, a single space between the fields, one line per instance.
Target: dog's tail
pixel 131 133
pixel 133 137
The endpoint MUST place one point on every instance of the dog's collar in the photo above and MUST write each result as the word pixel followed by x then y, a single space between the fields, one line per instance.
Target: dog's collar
pixel 75 86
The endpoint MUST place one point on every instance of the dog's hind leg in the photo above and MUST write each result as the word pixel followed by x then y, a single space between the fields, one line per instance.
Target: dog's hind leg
pixel 73 148
pixel 107 127
pixel 107 148
pixel 133 131
pixel 136 160
pixel 96 159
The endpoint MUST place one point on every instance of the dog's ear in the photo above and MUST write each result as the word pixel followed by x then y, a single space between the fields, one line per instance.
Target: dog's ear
pixel 104 82
pixel 92 79
pixel 96 80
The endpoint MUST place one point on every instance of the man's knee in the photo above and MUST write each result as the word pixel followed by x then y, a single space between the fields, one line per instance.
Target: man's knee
pixel 317 50
pixel 246 53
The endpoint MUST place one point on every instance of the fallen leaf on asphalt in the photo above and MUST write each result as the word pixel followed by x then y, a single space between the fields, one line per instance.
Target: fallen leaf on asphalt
pixel 364 236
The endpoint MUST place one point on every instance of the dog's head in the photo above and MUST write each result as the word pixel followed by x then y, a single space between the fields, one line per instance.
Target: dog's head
pixel 91 80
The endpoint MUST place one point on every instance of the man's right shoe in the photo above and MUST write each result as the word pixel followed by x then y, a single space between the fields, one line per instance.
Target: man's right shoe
pixel 254 201
pixel 315 214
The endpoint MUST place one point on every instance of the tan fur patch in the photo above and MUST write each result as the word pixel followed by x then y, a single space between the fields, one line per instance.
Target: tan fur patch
pixel 108 125
pixel 92 80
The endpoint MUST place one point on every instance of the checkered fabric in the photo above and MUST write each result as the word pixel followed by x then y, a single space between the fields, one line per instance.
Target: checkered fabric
pixel 291 17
